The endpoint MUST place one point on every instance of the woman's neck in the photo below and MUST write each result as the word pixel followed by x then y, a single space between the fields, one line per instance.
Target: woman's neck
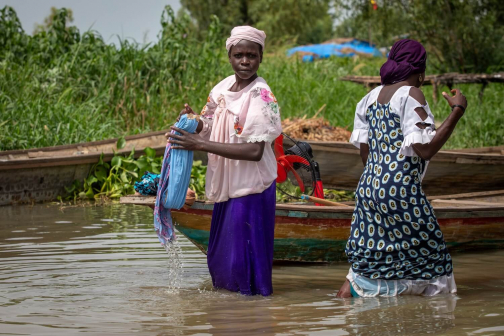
pixel 241 83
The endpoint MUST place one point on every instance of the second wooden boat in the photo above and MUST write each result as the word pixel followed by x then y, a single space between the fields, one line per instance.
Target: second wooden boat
pixel 460 171
pixel 41 174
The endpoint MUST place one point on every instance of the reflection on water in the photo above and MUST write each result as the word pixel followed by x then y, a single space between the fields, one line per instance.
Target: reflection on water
pixel 102 271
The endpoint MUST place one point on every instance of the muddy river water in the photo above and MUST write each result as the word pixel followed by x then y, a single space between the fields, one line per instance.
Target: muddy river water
pixel 101 271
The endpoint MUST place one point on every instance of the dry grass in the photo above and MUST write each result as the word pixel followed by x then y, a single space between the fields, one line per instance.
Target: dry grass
pixel 314 128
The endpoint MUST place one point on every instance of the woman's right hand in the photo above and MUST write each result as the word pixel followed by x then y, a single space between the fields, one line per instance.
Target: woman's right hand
pixel 187 110
pixel 457 99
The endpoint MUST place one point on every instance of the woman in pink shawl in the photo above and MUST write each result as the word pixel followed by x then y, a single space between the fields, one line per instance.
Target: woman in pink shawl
pixel 236 128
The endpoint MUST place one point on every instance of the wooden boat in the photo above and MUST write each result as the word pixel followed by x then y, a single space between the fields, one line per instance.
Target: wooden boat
pixel 41 174
pixel 310 233
pixel 450 171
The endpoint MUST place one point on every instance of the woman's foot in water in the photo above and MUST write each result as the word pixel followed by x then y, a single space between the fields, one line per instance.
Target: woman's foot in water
pixel 344 291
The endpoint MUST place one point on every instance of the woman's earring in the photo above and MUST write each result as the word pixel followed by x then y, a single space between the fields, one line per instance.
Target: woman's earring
pixel 420 79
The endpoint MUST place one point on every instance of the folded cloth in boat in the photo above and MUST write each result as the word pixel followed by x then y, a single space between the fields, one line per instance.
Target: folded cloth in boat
pixel 148 185
pixel 173 183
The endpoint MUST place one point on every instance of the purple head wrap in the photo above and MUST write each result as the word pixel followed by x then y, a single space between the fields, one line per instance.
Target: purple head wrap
pixel 405 58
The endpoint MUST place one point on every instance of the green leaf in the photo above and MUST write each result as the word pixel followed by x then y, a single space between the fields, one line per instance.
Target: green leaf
pixel 116 161
pixel 101 173
pixel 121 143
pixel 150 152
pixel 91 179
pixel 124 177
pixel 89 193
pixel 141 163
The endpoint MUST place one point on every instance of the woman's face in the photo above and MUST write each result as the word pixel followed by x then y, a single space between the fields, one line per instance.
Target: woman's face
pixel 245 58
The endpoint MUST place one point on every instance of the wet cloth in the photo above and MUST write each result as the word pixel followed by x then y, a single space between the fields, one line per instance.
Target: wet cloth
pixel 406 57
pixel 245 33
pixel 173 183
pixel 365 287
pixel 394 233
pixel 250 115
pixel 240 249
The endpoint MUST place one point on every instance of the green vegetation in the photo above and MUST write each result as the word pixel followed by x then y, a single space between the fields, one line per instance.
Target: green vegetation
pixel 302 21
pixel 60 86
pixel 463 36
pixel 117 178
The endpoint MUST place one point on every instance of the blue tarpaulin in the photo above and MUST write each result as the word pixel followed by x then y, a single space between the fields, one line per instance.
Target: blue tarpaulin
pixel 337 47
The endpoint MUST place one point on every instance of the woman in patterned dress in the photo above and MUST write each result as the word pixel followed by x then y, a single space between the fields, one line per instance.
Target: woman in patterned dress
pixel 396 246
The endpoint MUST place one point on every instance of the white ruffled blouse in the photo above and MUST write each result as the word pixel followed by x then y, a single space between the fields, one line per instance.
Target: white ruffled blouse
pixel 404 106
pixel 250 115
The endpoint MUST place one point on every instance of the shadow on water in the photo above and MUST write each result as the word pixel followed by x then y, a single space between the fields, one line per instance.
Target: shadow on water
pixel 102 271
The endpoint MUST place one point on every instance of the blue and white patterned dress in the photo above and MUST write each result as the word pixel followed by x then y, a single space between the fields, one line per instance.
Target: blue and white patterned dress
pixel 395 234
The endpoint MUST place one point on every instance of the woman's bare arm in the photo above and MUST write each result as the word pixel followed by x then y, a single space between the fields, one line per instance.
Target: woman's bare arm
pixel 443 133
pixel 243 151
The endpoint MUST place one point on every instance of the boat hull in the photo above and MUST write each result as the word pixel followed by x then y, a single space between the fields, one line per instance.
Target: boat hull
pixel 41 174
pixel 447 173
pixel 41 184
pixel 309 234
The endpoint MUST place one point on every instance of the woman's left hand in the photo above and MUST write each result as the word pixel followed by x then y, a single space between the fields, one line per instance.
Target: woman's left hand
pixel 185 140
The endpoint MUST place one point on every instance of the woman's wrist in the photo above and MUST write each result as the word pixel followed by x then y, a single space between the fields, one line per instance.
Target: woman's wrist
pixel 458 110
pixel 457 113
pixel 458 107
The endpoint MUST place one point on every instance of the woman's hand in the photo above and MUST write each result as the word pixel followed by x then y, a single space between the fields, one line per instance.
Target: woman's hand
pixel 457 99
pixel 185 140
pixel 443 133
pixel 187 110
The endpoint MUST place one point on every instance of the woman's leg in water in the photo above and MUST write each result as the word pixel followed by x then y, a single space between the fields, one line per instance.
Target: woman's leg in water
pixel 344 291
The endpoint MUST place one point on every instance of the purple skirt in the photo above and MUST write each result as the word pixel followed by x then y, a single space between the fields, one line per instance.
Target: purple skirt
pixel 240 249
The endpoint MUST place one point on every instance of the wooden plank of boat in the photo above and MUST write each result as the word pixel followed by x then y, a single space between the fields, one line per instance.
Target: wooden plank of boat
pixel 454 172
pixel 494 196
pixel 443 79
pixel 318 234
pixel 81 153
pixel 448 79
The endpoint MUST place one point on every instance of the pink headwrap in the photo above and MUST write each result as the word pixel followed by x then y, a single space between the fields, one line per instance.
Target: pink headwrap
pixel 245 33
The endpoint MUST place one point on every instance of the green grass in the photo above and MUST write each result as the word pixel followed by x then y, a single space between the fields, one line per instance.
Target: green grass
pixel 87 90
